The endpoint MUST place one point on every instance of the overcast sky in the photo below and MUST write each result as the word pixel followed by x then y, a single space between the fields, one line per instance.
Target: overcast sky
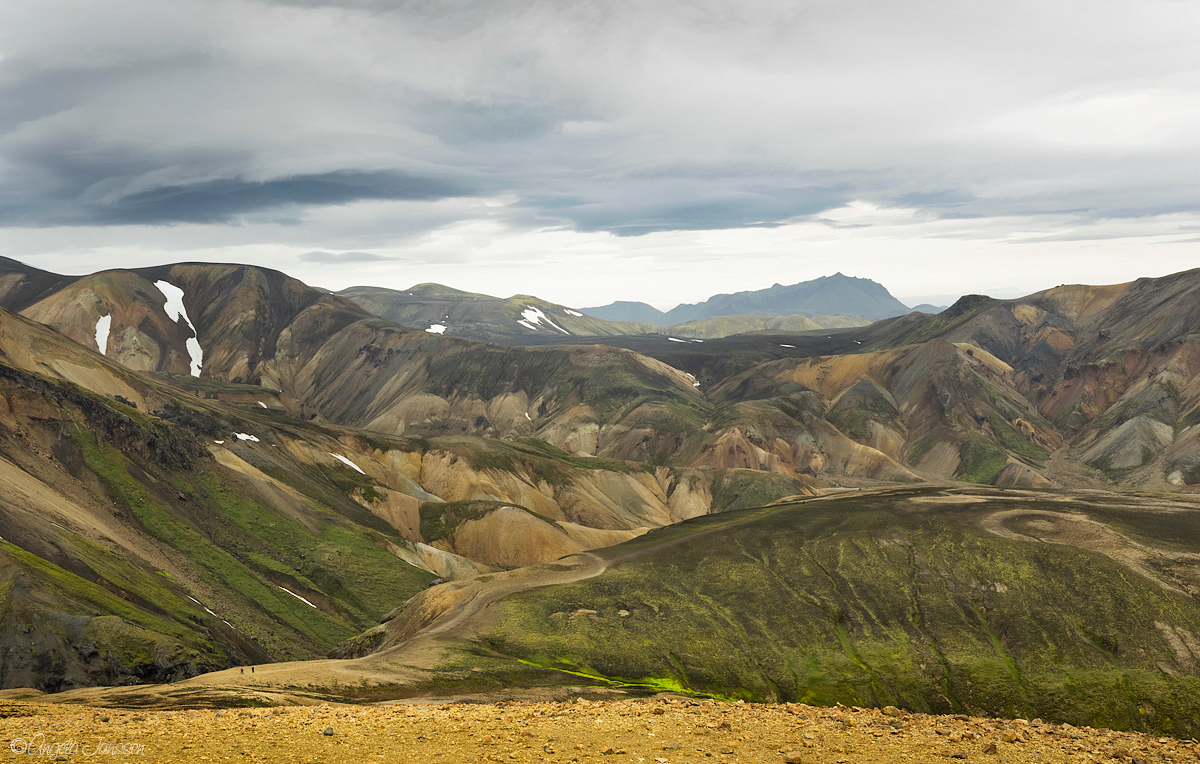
pixel 591 151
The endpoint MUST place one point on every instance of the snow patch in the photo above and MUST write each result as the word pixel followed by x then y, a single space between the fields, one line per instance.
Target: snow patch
pixel 244 436
pixel 673 339
pixel 219 442
pixel 570 312
pixel 536 316
pixel 437 329
pixel 528 417
pixel 206 610
pixel 695 340
pixel 787 346
pixel 102 327
pixel 175 311
pixel 260 403
pixel 347 462
pixel 297 596
pixel 526 324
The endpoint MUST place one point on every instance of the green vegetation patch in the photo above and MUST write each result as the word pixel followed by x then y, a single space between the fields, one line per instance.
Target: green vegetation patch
pixel 870 601
pixel 249 554
pixel 743 489
pixel 980 460
pixel 441 519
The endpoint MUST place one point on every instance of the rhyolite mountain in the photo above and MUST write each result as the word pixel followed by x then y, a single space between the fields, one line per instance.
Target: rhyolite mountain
pixel 153 527
pixel 825 296
pixel 988 391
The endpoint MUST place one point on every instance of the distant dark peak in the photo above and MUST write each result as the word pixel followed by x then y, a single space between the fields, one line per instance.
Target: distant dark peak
pixel 823 296
pixel 967 304
pixel 625 310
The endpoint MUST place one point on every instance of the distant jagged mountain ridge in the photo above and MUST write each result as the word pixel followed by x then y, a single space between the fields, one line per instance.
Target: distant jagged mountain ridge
pixel 826 296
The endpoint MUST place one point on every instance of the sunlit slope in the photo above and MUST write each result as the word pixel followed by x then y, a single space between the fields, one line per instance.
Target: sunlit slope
pixel 1067 608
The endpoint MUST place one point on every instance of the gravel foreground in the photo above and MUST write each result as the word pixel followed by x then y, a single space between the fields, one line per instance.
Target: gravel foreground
pixel 664 730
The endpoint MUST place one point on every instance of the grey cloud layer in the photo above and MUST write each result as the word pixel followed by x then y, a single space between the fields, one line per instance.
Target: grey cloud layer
pixel 599 116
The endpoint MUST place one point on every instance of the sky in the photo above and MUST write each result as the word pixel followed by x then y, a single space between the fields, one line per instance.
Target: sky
pixel 586 152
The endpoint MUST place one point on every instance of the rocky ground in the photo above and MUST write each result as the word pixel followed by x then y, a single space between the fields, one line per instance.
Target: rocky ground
pixel 659 730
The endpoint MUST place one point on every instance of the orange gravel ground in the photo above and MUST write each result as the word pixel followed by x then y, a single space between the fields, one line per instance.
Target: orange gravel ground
pixel 665 730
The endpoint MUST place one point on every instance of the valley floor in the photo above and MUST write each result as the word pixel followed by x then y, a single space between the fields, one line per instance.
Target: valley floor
pixel 660 730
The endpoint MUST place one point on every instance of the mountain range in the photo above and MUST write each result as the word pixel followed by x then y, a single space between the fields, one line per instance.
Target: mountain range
pixel 206 465
pixel 824 296
pixel 524 319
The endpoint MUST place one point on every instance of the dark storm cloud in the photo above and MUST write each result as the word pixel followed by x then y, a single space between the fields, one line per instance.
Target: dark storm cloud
pixel 624 117
pixel 220 201
pixel 228 199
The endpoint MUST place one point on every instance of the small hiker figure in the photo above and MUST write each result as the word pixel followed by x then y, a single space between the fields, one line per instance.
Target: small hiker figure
pixel 251 669
pixel 243 671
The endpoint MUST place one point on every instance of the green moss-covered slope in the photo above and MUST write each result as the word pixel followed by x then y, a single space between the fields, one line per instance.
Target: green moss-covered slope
pixel 881 600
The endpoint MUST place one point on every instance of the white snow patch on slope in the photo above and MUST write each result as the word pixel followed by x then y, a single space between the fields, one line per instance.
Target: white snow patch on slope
pixel 695 340
pixel 102 327
pixel 672 339
pixel 347 462
pixel 260 403
pixel 536 316
pixel 787 346
pixel 437 329
pixel 297 596
pixel 219 442
pixel 526 324
pixel 244 436
pixel 206 610
pixel 175 310
pixel 528 417
pixel 572 312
